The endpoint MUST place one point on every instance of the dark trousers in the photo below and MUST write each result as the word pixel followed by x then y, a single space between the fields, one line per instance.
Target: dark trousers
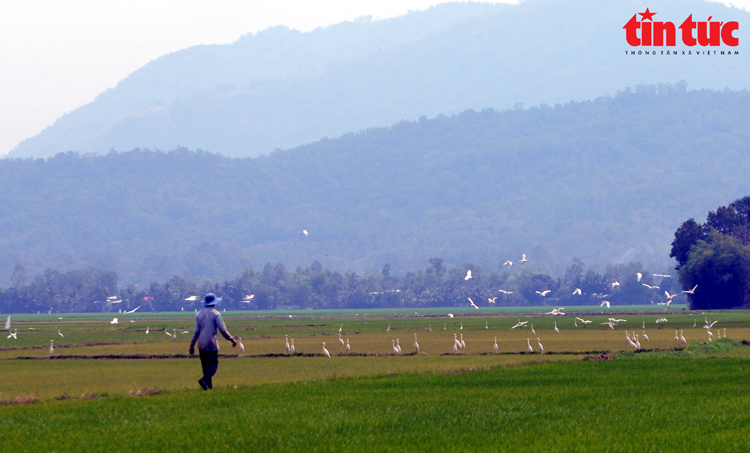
pixel 210 363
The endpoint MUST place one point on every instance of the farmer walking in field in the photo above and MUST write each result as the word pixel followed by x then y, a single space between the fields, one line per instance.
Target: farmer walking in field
pixel 207 322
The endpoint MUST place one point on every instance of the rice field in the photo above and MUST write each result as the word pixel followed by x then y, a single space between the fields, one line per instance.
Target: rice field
pixel 116 383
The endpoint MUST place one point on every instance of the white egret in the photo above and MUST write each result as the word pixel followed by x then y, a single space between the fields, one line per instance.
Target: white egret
pixel 486 327
pixel 147 330
pixel 523 258
pixel 242 346
pixel 51 347
pixel 133 310
pixel 429 329
pixel 291 347
pixel 637 343
pixel 615 284
pixel 670 296
pixel 389 328
pixel 472 303
pixel 725 332
pixel 644 325
pixel 192 298
pixel 341 327
pixel 694 322
pixel 395 349
pixel 398 345
pixel 304 233
pixel 14 335
pixel 348 348
pixel 638 276
pixel 468 275
pixel 496 348
pixel 520 324
pixel 174 334
pixel 556 329
pixel 492 300
pixel 541 348
pixel 325 351
pixel 691 291
pixel 662 275
pixel 533 332
pixel 604 302
pixel 544 293
pixel 167 332
pixel 645 336
pixel 416 345
pixel 505 292
pixel 575 323
pixel 577 291
pixel 456 343
pixel 463 344
pixel 508 263
pixel 7 323
pixel 462 326
pixel 676 337
pixel 286 343
pixel 528 344
pixel 682 338
pixel 114 321
pixel 710 336
pixel 630 342
pixel 60 333
pixel 341 341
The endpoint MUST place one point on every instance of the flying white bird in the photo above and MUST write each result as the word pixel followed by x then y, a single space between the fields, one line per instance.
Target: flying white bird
pixel 649 286
pixel 583 321
pixel 519 324
pixel 167 332
pixel 523 258
pixel 492 301
pixel 305 233
pixel 604 302
pixel 114 321
pixel 615 284
pixel 14 335
pixel 508 263
pixel 638 276
pixel 670 296
pixel 505 292
pixel 691 291
pixel 325 351
pixel 544 293
pixel 191 298
pixel 472 303
pixel 60 333
pixel 133 310
pixel 577 291
pixel 468 274
pixel 682 338
pixel 662 275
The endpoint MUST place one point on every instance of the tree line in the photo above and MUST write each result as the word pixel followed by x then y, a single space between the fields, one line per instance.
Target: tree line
pixel 276 287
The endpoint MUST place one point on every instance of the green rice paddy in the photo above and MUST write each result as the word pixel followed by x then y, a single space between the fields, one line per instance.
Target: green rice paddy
pixel 115 387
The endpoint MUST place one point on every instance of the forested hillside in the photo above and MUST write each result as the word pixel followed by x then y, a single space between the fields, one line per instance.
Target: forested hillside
pixel 281 88
pixel 607 181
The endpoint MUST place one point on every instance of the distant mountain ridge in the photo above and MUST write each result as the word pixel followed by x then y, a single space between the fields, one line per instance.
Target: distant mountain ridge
pixel 281 88
pixel 606 181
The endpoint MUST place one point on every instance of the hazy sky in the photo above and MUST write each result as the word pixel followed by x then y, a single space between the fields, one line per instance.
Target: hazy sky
pixel 58 55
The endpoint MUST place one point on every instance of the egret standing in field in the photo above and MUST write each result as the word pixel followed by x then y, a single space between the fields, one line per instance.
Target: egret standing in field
pixel 456 343
pixel 486 327
pixel 60 333
pixel 541 348
pixel 115 321
pixel 463 344
pixel 496 348
pixel 528 345
pixel 533 332
pixel 645 336
pixel 7 323
pixel 389 328
pixel 242 346
pixel 147 330
pixel 292 346
pixel 676 337
pixel 51 347
pixel 725 332
pixel 286 345
pixel 556 329
pixel 398 345
pixel 462 327
pixel 341 341
pixel 348 348
pixel 416 345
pixel 325 351
pixel 710 336
pixel 682 338
pixel 393 343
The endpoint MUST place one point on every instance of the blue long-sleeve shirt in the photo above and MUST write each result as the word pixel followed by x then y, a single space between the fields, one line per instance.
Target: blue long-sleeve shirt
pixel 207 322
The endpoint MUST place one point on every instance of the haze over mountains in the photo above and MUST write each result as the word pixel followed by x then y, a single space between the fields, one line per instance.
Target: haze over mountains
pixel 606 181
pixel 281 88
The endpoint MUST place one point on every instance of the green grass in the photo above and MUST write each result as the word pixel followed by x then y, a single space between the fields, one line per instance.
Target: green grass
pixel 613 405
